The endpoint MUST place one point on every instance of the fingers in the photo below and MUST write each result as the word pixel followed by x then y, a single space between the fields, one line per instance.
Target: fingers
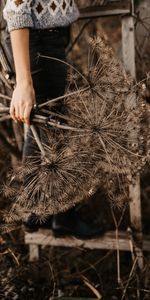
pixel 13 113
pixel 21 114
pixel 27 113
pixel 17 115
pixel 23 99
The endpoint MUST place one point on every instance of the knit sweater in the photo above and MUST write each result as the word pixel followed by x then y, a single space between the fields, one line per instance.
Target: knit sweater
pixel 39 14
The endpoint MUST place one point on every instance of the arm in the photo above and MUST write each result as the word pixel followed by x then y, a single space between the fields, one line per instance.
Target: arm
pixel 23 97
pixel 18 14
pixel 19 18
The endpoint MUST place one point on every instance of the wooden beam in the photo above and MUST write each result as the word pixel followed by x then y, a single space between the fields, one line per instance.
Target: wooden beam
pixel 33 252
pixel 108 241
pixel 128 45
pixel 111 9
pixel 128 51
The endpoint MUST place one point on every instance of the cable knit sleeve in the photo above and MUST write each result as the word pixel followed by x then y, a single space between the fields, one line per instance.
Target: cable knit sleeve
pixel 17 14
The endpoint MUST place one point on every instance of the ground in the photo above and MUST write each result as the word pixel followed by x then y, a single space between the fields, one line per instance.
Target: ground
pixel 72 272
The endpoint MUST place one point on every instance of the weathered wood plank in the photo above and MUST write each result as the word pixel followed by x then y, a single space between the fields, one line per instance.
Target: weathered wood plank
pixel 128 50
pixel 111 9
pixel 33 252
pixel 128 45
pixel 108 241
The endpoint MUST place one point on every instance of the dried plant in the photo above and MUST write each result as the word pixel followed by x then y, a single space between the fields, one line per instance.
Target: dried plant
pixel 97 139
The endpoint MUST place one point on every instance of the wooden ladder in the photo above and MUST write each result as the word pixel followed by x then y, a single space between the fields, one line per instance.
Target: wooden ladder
pixel 125 241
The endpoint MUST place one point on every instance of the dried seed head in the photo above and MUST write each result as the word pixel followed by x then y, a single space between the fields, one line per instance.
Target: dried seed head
pixel 107 143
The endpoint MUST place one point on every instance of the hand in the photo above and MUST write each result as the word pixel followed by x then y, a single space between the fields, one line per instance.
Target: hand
pixel 23 100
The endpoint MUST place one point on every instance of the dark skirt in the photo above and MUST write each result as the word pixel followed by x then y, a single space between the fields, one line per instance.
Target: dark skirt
pixel 49 76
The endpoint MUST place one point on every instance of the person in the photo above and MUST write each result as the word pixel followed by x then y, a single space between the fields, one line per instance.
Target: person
pixel 41 27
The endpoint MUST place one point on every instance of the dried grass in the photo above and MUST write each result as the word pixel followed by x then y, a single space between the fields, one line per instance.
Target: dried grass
pixel 108 142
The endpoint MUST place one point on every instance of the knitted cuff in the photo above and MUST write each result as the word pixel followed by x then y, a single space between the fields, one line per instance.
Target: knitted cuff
pixel 18 21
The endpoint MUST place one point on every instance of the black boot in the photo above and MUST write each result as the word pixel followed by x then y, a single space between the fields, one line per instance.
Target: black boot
pixel 70 223
pixel 32 224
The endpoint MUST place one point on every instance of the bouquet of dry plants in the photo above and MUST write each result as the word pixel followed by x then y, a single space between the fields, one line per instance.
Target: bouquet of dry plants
pixel 98 139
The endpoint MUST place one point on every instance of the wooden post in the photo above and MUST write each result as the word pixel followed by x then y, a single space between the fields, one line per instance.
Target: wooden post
pixel 128 45
pixel 128 51
pixel 33 252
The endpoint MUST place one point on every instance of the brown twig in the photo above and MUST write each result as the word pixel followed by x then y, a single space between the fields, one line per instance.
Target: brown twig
pixel 8 146
pixel 5 96
pixel 129 279
pixel 50 102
